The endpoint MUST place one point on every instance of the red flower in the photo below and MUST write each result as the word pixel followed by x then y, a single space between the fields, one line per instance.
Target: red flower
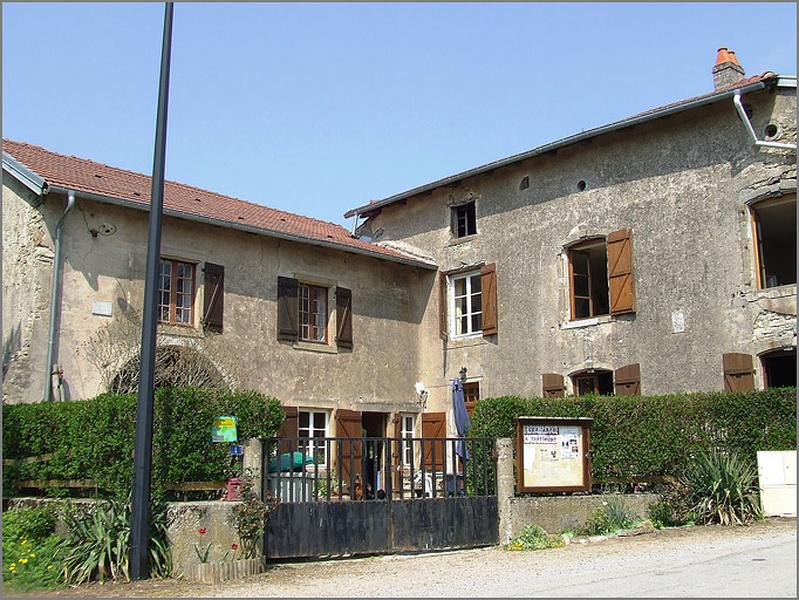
pixel 202 530
pixel 234 547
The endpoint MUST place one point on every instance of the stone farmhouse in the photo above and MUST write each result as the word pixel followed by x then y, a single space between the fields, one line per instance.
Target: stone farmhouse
pixel 656 254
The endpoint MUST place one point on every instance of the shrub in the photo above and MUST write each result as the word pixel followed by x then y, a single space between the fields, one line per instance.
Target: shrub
pixel 94 439
pixel 673 507
pixel 612 516
pixel 650 436
pixel 31 559
pixel 533 537
pixel 98 543
pixel 724 489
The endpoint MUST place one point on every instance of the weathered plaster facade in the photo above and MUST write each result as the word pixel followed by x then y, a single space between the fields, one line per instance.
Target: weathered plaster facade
pixel 378 374
pixel 682 184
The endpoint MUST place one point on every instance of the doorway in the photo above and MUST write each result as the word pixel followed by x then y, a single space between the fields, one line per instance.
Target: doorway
pixel 373 425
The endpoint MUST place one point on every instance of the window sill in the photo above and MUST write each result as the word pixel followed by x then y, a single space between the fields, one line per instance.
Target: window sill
pixel 180 330
pixel 463 240
pixel 474 339
pixel 311 347
pixel 780 291
pixel 580 323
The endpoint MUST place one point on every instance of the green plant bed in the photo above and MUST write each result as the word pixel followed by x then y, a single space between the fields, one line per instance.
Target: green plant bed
pixel 533 537
pixel 31 550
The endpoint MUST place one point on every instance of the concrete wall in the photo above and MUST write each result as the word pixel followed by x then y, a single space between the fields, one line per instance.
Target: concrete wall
pixel 377 374
pixel 682 185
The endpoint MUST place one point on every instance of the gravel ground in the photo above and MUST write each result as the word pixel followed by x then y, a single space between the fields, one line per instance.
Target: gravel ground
pixel 754 561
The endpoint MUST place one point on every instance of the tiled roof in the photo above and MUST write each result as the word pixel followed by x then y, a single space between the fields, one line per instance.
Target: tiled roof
pixel 369 208
pixel 84 175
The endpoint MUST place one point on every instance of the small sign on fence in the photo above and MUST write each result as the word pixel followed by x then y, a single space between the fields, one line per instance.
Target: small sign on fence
pixel 553 454
pixel 236 450
pixel 224 430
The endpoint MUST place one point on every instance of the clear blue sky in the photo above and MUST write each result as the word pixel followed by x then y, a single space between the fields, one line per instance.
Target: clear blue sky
pixel 317 108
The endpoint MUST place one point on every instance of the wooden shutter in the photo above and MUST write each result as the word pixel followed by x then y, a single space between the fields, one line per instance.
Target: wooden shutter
pixel 738 372
pixel 348 425
pixel 289 429
pixel 620 272
pixel 443 327
pixel 628 380
pixel 396 451
pixel 488 286
pixel 213 297
pixel 343 317
pixel 287 309
pixel 434 425
pixel 552 385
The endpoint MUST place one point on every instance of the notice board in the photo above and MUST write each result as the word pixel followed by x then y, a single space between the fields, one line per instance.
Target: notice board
pixel 553 454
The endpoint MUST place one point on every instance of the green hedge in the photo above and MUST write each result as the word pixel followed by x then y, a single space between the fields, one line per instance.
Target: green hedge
pixel 645 436
pixel 94 439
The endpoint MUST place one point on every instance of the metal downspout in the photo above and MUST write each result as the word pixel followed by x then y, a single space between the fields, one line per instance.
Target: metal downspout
pixel 736 99
pixel 54 299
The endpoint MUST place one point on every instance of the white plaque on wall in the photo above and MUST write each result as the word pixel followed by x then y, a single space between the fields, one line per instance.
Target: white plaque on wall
pixel 677 322
pixel 101 307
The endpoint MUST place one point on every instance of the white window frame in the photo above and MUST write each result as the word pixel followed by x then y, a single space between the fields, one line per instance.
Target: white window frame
pixel 452 318
pixel 407 448
pixel 311 430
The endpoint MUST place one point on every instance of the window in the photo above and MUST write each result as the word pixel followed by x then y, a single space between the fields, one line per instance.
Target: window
pixel 588 268
pixel 176 293
pixel 313 424
pixel 467 313
pixel 408 428
pixel 597 382
pixel 464 220
pixel 774 222
pixel 471 394
pixel 779 368
pixel 313 313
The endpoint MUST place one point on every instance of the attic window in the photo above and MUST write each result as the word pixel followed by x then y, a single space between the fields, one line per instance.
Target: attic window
pixel 525 183
pixel 98 176
pixel 464 220
pixel 197 200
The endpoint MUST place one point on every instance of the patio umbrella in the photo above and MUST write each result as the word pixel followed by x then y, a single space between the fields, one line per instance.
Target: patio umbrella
pixel 462 422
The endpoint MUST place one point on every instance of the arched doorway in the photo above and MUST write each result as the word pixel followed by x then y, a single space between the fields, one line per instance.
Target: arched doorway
pixel 174 366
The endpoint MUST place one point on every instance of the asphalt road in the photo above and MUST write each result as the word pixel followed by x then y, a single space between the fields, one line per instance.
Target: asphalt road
pixel 756 561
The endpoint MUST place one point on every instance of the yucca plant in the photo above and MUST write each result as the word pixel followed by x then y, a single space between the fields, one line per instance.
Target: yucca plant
pixel 723 489
pixel 98 543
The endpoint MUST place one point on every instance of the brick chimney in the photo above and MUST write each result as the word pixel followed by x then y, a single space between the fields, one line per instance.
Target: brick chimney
pixel 727 71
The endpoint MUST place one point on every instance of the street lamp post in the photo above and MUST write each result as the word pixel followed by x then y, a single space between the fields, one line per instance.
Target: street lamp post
pixel 140 517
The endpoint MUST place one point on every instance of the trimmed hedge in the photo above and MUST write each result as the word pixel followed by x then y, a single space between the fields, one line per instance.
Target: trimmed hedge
pixel 94 439
pixel 645 436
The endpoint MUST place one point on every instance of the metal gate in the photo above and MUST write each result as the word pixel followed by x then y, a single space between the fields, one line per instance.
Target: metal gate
pixel 378 495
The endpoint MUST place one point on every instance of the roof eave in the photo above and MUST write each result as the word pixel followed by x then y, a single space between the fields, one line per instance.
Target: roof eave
pixel 242 227
pixel 591 133
pixel 30 179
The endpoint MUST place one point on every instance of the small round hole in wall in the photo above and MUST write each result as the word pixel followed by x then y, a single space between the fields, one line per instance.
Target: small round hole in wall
pixel 771 130
pixel 581 185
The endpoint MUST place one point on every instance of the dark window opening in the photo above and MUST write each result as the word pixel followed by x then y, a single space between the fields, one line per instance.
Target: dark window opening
pixel 598 382
pixel 464 220
pixel 589 279
pixel 775 233
pixel 779 368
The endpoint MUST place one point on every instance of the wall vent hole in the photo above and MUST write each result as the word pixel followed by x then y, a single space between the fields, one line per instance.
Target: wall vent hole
pixel 581 185
pixel 771 130
pixel 524 183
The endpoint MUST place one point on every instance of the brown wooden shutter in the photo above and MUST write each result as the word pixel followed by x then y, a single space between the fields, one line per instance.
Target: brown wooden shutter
pixel 443 327
pixel 344 317
pixel 434 425
pixel 628 380
pixel 287 309
pixel 738 372
pixel 289 429
pixel 213 297
pixel 552 385
pixel 488 287
pixel 620 272
pixel 348 425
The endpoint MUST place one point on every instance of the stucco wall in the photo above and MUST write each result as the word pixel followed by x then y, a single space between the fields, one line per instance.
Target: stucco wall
pixel 681 184
pixel 377 374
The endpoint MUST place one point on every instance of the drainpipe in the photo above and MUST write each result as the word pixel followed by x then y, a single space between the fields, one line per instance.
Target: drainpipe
pixel 736 99
pixel 55 297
